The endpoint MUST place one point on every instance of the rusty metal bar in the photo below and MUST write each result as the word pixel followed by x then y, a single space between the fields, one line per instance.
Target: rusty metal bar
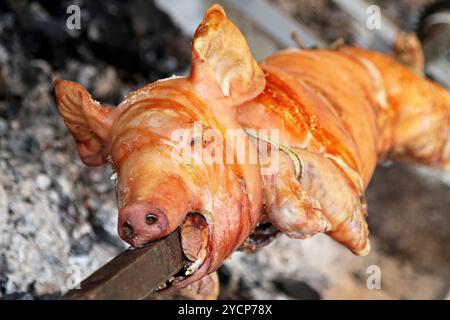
pixel 134 274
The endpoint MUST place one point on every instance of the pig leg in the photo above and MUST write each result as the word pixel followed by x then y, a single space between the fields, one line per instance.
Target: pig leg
pixel 322 201
pixel 290 208
pixel 408 51
pixel 421 127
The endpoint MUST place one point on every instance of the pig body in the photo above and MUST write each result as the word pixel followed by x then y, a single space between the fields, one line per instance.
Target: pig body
pixel 342 111
pixel 337 112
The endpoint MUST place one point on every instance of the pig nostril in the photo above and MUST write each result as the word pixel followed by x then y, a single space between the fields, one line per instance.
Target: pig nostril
pixel 150 219
pixel 128 230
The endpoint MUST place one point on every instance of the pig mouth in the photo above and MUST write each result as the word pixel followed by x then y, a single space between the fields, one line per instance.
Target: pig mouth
pixel 194 234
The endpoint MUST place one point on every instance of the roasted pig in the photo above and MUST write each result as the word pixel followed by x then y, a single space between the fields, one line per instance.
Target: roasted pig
pixel 317 121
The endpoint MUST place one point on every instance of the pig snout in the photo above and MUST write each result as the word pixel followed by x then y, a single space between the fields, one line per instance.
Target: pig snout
pixel 157 212
pixel 142 222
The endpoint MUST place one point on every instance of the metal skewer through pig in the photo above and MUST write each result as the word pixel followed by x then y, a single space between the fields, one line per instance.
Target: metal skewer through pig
pixel 337 112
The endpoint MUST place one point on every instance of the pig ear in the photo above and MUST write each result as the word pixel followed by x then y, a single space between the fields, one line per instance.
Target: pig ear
pixel 89 122
pixel 221 57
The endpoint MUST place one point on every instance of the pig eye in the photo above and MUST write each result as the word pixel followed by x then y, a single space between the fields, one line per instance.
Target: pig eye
pixel 150 219
pixel 194 140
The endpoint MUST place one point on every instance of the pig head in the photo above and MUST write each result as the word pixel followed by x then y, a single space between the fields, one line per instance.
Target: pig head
pixel 214 205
